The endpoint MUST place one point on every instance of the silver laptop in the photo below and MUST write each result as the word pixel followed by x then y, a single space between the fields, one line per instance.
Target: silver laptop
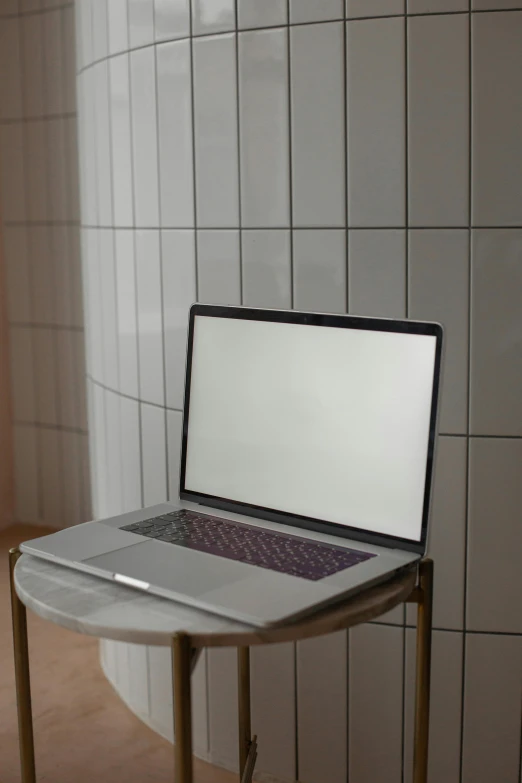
pixel 306 467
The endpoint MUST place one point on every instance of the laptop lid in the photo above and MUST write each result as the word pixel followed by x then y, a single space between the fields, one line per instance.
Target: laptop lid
pixel 325 422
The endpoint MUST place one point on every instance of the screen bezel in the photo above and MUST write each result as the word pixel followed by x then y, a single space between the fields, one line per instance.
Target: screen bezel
pixel 320 320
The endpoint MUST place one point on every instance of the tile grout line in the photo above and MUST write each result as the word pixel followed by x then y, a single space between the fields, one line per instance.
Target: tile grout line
pixel 160 249
pixel 21 223
pixel 238 131
pixel 135 265
pixel 407 308
pixel 50 237
pixel 290 160
pixel 193 135
pixel 468 441
pixel 292 303
pixel 113 238
pixel 347 310
pixel 46 426
pixel 41 325
pixel 66 115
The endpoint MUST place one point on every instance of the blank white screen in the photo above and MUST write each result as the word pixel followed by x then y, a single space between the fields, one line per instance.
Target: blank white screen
pixel 324 422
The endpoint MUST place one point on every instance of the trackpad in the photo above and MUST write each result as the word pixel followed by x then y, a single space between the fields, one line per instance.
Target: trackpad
pixel 172 568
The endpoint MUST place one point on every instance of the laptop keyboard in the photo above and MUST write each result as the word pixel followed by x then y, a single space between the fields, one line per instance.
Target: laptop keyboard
pixel 279 552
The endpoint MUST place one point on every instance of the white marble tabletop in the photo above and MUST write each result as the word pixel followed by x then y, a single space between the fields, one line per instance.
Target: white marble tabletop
pixel 96 607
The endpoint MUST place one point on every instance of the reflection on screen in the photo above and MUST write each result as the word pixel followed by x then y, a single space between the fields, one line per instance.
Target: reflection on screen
pixel 324 422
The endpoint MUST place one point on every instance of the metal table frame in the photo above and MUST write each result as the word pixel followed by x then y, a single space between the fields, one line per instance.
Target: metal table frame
pixel 184 657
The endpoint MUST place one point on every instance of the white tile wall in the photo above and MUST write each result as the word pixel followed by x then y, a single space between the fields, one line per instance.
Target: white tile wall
pixel 57 181
pixel 54 93
pixel 175 134
pixel 491 741
pixel 319 265
pixel 439 290
pixel 114 463
pixel 51 477
pixel 150 317
pixel 222 706
pixel 263 122
pixel 310 11
pixel 366 8
pixel 376 100
pixel 17 274
pixel 118 26
pixel 174 430
pixel 179 292
pixel 12 188
pixel 215 128
pixel 438 120
pixel 496 164
pixel 171 19
pixel 68 59
pixel 266 268
pixel 317 120
pixel 494 579
pixel 103 143
pixel 141 22
pixel 11 84
pixel 322 700
pixel 436 6
pixel 252 13
pixel 144 137
pixel 212 16
pixel 130 454
pixel 26 473
pixel 121 148
pixel 127 325
pixel 36 166
pixel 22 374
pixel 154 453
pixel 108 306
pixel 275 728
pixel 41 274
pixel 494 5
pixel 377 273
pixel 375 704
pixel 99 28
pixel 32 65
pixel 219 267
pixel 496 386
pixel 45 376
pixel 66 378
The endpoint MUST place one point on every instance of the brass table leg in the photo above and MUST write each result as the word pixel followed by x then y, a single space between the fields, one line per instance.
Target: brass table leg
pixel 22 679
pixel 422 686
pixel 243 692
pixel 181 667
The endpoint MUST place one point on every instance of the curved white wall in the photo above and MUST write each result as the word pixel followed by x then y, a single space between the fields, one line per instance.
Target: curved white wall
pixel 215 167
pixel 40 243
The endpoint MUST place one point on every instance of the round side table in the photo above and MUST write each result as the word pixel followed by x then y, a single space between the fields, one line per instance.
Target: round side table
pixel 95 607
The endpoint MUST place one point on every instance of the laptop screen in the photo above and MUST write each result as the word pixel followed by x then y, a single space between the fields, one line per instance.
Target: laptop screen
pixel 322 422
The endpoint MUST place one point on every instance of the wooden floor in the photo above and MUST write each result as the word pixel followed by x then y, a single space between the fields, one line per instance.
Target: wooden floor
pixel 83 732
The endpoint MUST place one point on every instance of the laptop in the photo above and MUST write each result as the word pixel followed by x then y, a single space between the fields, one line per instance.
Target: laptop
pixel 305 474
